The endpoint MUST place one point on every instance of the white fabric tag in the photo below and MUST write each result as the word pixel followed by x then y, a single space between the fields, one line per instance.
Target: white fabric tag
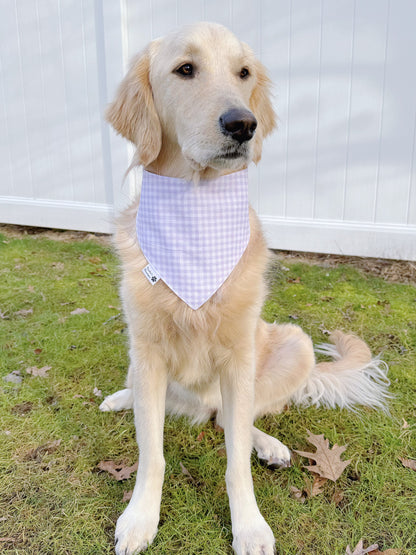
pixel 193 235
pixel 152 276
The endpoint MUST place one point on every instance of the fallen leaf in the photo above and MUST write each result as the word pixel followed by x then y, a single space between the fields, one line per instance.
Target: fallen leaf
pixel 316 486
pixel 312 489
pixel 13 377
pixel 118 471
pixel 405 424
pixel 337 497
pixel 408 463
pixel 94 260
pixel 37 351
pixel 298 494
pixel 386 552
pixel 80 311
pixel 127 496
pixel 37 453
pixel 24 312
pixel 200 436
pixel 39 372
pixel 97 392
pixel 328 460
pixel 186 472
pixel 359 550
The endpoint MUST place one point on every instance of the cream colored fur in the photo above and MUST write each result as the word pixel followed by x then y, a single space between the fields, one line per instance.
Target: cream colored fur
pixel 221 359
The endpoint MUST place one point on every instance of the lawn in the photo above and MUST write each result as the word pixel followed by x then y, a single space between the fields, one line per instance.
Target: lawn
pixel 64 342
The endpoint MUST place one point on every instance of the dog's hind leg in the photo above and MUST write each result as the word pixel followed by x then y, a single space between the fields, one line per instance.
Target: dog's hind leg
pixel 120 400
pixel 284 362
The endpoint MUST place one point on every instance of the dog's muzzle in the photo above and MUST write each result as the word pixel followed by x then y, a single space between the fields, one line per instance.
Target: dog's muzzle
pixel 239 124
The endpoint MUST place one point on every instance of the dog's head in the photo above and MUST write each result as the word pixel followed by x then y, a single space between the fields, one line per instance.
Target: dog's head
pixel 198 93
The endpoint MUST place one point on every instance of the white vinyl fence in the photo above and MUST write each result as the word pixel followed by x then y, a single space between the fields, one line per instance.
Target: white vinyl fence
pixel 338 176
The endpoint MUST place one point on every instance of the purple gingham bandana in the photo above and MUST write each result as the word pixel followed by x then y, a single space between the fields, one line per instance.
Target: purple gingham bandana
pixel 193 235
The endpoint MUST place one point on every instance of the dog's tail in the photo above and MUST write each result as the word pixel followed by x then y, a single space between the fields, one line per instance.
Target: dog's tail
pixel 352 378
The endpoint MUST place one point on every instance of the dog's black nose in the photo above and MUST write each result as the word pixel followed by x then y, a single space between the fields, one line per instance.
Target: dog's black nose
pixel 238 124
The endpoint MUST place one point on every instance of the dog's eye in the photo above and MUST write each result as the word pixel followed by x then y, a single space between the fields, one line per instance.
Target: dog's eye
pixel 187 70
pixel 244 73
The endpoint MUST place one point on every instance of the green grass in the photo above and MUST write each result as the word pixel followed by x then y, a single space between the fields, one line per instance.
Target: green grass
pixel 59 503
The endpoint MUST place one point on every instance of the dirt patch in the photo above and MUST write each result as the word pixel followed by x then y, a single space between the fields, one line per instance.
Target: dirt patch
pixel 66 236
pixel 397 271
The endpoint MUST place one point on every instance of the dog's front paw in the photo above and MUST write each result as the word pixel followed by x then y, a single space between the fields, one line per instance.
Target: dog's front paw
pixel 254 539
pixel 135 531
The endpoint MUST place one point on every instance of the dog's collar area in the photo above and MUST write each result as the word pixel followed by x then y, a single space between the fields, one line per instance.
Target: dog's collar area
pixel 193 237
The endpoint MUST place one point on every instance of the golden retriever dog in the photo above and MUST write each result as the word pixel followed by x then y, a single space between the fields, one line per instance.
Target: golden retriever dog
pixel 196 104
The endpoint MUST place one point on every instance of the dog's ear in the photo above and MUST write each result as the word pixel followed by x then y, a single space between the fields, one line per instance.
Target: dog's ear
pixel 133 113
pixel 262 107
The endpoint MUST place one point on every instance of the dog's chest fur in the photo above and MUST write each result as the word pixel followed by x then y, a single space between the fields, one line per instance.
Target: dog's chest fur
pixel 194 344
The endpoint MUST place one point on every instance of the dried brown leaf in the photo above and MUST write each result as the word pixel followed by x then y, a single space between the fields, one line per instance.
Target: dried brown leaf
pixel 408 463
pixel 80 311
pixel 24 312
pixel 39 372
pixel 317 485
pixel 298 494
pixel 186 472
pixel 337 497
pixel 328 460
pixel 359 549
pixel 386 552
pixel 200 436
pixel 127 496
pixel 118 471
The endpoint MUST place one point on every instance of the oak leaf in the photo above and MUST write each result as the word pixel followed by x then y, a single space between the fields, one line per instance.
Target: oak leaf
pixel 359 549
pixel 408 463
pixel 118 471
pixel 39 372
pixel 328 460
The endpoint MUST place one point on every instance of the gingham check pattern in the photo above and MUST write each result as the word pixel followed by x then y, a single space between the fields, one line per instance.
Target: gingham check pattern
pixel 193 235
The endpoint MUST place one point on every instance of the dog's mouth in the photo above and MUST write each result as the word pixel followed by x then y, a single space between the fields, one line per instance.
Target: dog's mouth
pixel 234 153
